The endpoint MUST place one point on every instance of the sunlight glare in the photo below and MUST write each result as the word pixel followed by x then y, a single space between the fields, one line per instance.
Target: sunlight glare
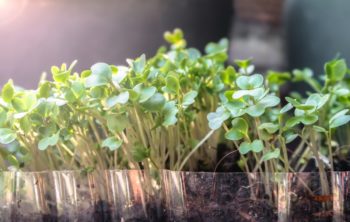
pixel 3 3
pixel 10 10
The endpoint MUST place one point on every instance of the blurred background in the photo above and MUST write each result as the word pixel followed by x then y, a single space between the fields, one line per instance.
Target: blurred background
pixel 277 34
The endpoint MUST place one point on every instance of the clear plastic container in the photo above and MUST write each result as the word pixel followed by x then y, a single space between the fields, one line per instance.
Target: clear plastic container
pixel 135 196
pixel 207 196
pixel 7 188
pixel 82 196
pixel 311 199
pixel 34 197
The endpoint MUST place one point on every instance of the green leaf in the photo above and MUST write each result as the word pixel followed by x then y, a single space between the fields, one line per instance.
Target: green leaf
pixel 86 73
pixel 233 134
pixel 309 119
pixel 238 130
pixel 8 91
pixel 216 119
pixel 122 98
pixel 286 108
pixel 278 78
pixel 257 146
pixel 112 143
pixel 269 127
pixel 290 137
pixel 243 63
pixel 250 82
pixel 298 105
pixel 147 93
pixel 305 107
pixel 319 129
pixel 117 123
pixel 101 74
pixel 69 95
pixel 97 92
pixel 342 92
pixel 60 75
pixel 317 100
pixel 56 101
pixel 339 121
pixel 25 124
pixel 336 70
pixel 48 141
pixel 48 130
pixel 252 92
pixel 293 121
pixel 45 90
pixel 338 114
pixel 189 98
pixel 193 54
pixel 240 124
pixel 169 112
pixel 255 110
pixel 215 48
pixel 293 101
pixel 244 148
pixel 323 100
pixel 302 75
pixel 235 107
pixel 102 70
pixel 78 89
pixel 138 65
pixel 275 154
pixel 175 38
pixel 155 103
pixel 119 75
pixel 172 83
pixel 7 136
pixel 269 101
pixel 139 153
pixel 228 76
pixel 144 93
pixel 3 117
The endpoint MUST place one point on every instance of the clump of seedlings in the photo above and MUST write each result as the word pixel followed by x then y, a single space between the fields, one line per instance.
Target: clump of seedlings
pixel 149 113
pixel 272 137
pixel 177 110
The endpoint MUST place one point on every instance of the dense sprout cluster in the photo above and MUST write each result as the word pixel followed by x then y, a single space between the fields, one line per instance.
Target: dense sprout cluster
pixel 171 111
pixel 147 114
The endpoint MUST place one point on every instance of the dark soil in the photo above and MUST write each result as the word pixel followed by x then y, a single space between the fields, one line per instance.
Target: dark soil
pixel 136 213
pixel 101 212
pixel 310 206
pixel 221 198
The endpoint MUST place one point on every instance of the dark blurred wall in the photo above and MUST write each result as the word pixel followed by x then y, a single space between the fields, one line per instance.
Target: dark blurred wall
pixel 258 34
pixel 35 34
pixel 317 30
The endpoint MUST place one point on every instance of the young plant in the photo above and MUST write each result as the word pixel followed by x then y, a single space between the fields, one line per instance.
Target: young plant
pixel 262 130
pixel 149 114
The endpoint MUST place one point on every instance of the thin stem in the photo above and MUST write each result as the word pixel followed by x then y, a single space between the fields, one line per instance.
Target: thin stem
pixel 324 181
pixel 196 148
pixel 329 143
pixel 285 153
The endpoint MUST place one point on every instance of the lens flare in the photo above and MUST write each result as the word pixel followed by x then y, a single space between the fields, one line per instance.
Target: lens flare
pixel 11 9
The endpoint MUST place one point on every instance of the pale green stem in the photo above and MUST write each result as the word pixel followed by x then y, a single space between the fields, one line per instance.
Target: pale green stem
pixel 194 150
